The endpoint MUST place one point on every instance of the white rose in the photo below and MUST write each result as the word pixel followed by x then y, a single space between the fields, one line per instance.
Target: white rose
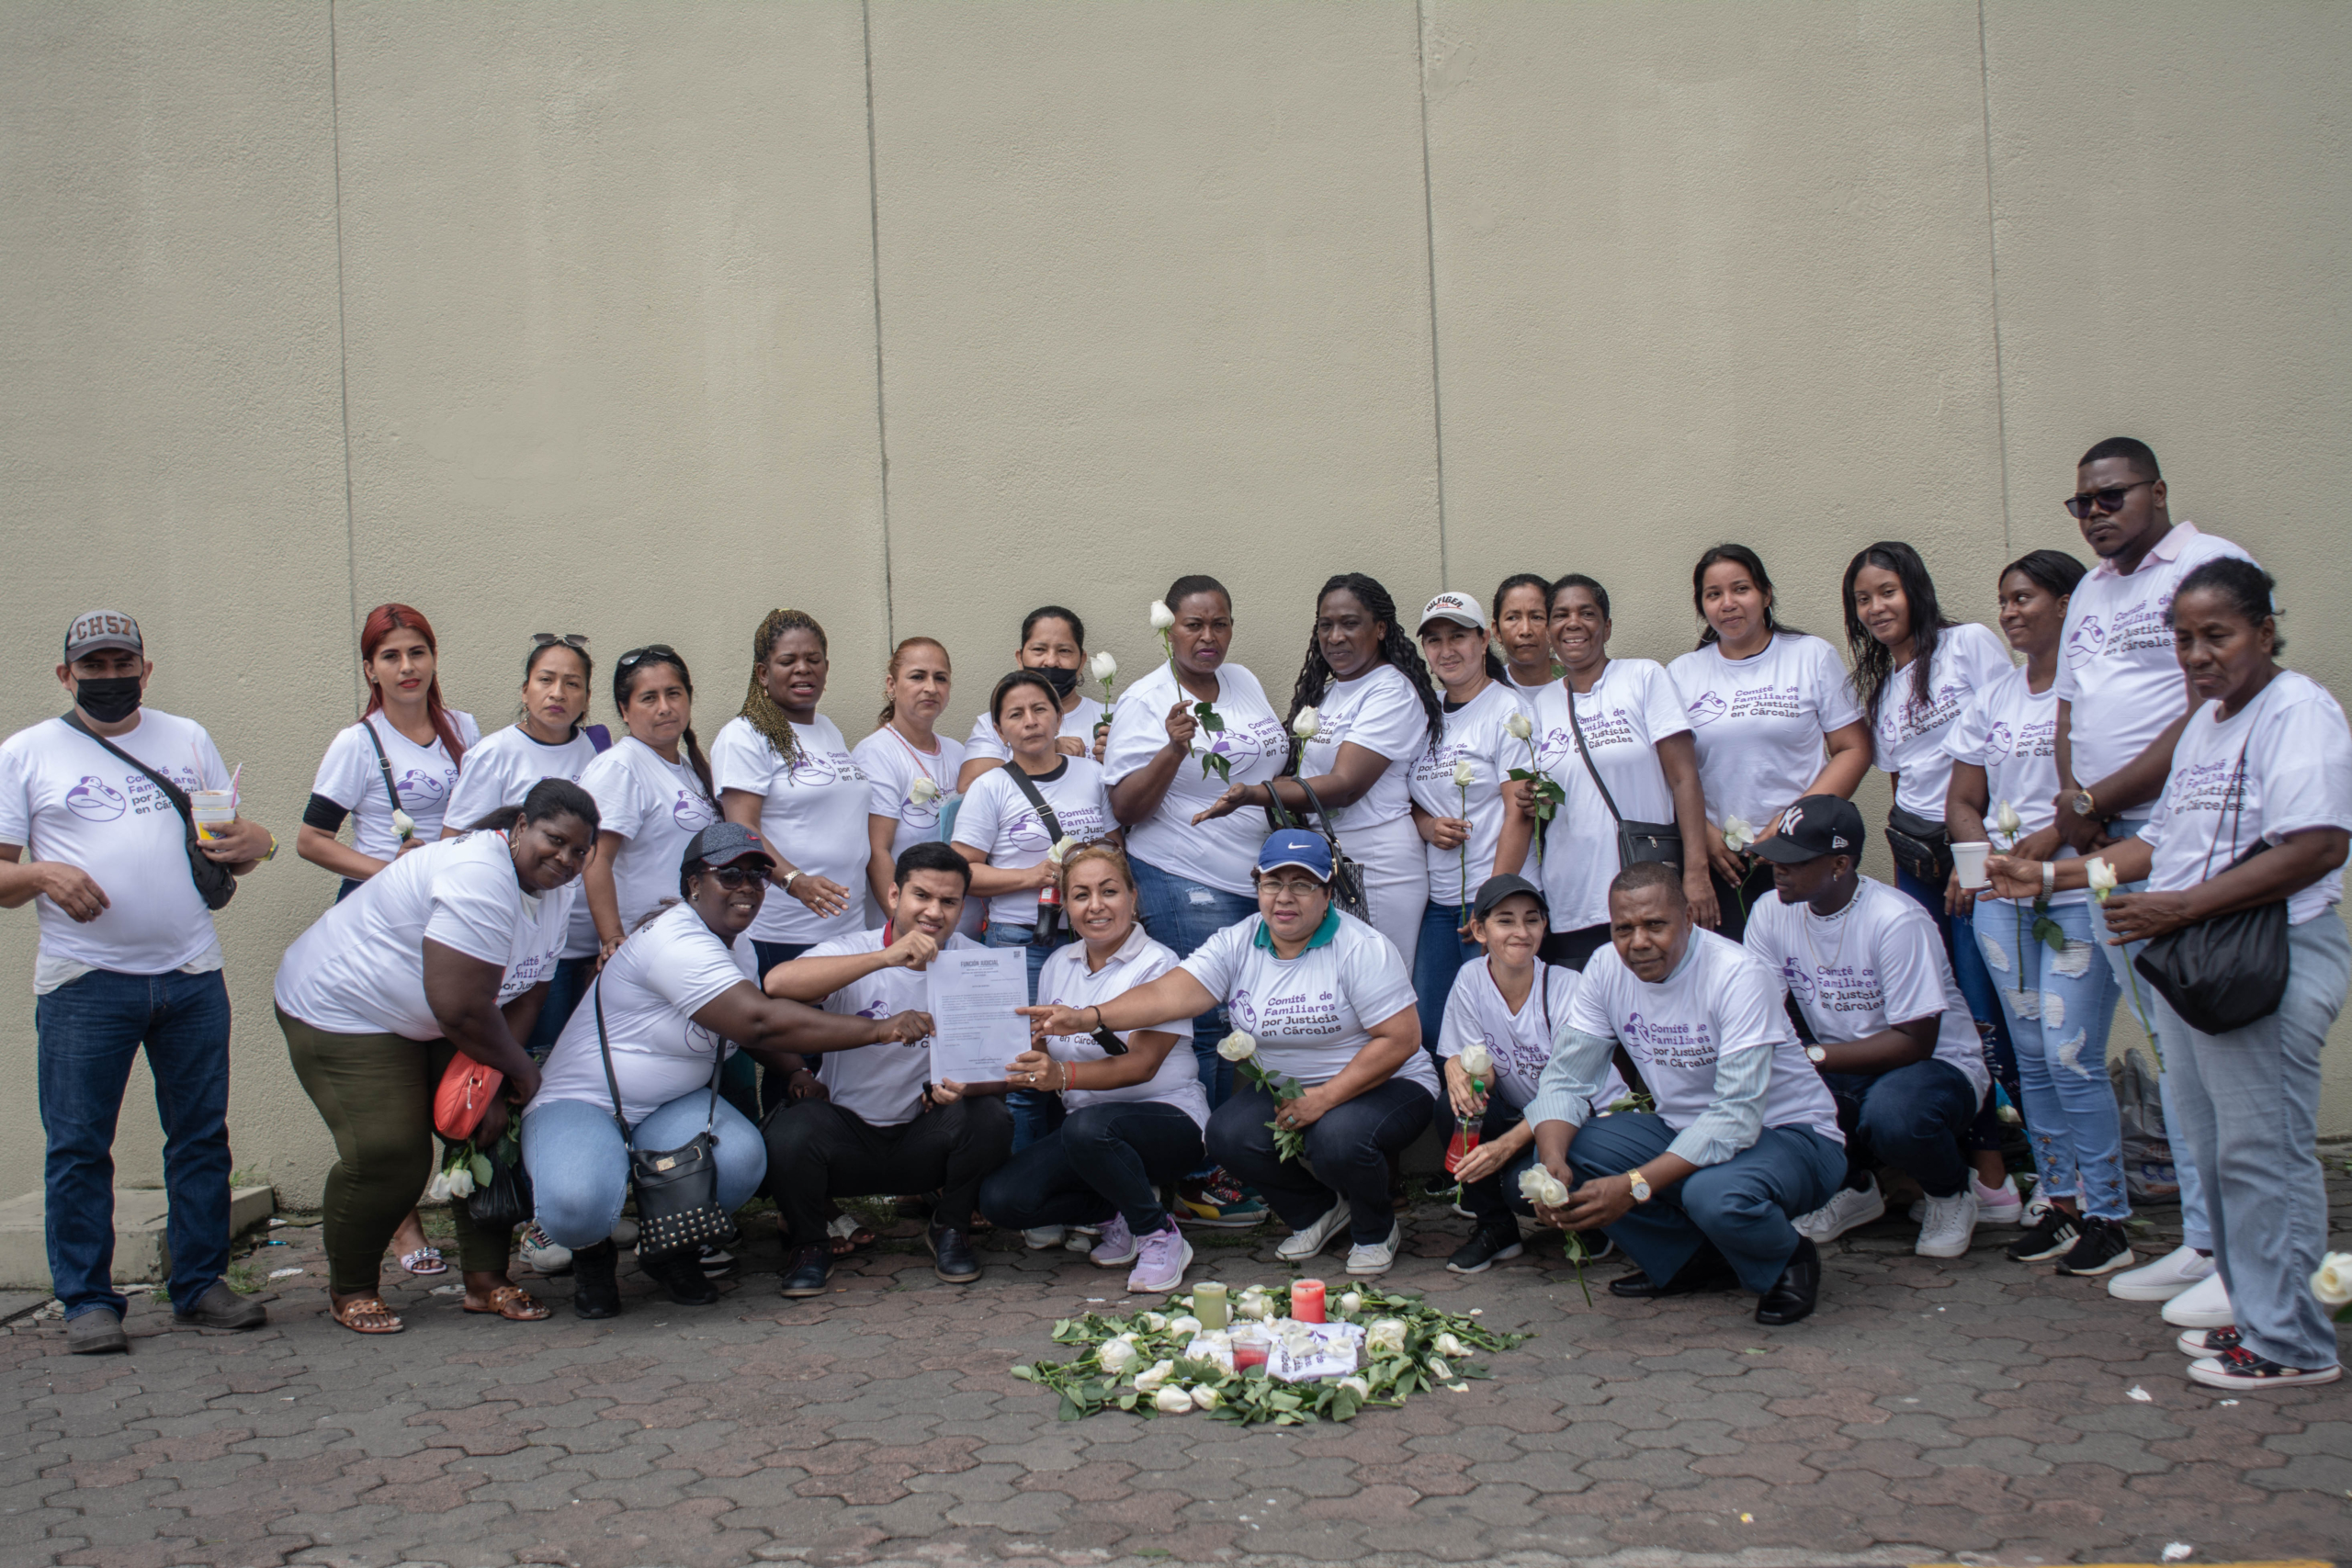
pixel 1447 1345
pixel 1105 668
pixel 1207 1398
pixel 1185 1328
pixel 1737 834
pixel 1477 1061
pixel 1351 1304
pixel 1307 725
pixel 1387 1335
pixel 2007 820
pixel 1158 1373
pixel 1464 775
pixel 922 791
pixel 1538 1185
pixel 1116 1358
pixel 403 824
pixel 461 1183
pixel 2102 877
pixel 1162 617
pixel 1363 1389
pixel 2333 1282
pixel 1438 1369
pixel 1153 1323
pixel 1237 1046
pixel 1172 1400
pixel 1061 849
pixel 437 1190
pixel 1518 727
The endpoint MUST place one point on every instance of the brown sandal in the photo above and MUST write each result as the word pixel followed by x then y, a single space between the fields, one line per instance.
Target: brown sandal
pixel 512 1303
pixel 360 1307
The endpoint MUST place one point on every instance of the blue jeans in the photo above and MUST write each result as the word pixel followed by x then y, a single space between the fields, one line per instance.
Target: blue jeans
pixel 87 1030
pixel 1912 1119
pixel 2059 1007
pixel 579 1169
pixel 1348 1147
pixel 1035 1112
pixel 1977 989
pixel 1182 914
pixel 2249 1114
pixel 566 987
pixel 1443 951
pixel 1105 1158
pixel 1743 1208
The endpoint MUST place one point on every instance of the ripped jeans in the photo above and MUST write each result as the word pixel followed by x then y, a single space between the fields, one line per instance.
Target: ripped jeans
pixel 2059 1006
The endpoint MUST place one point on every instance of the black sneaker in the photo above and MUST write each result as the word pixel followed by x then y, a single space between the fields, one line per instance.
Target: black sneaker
pixel 2194 1342
pixel 596 1290
pixel 2105 1246
pixel 680 1273
pixel 2053 1235
pixel 1486 1248
pixel 951 1254
pixel 2240 1368
pixel 811 1267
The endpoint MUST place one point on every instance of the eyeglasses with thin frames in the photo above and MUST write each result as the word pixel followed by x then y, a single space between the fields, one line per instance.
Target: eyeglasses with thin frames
pixel 2109 500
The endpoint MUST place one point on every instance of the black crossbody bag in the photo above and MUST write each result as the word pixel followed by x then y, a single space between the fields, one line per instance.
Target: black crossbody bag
pixel 214 883
pixel 1920 847
pixel 1347 876
pixel 1636 841
pixel 1049 912
pixel 676 1189
pixel 2227 971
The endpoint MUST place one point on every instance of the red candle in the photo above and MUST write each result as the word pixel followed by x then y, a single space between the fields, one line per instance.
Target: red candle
pixel 1307 1299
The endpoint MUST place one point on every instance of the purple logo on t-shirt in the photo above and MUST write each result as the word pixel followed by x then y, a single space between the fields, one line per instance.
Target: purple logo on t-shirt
pixel 1025 832
pixel 691 812
pixel 1998 740
pixel 2085 645
pixel 93 802
pixel 1800 983
pixel 1244 1015
pixel 414 784
pixel 1708 708
pixel 811 770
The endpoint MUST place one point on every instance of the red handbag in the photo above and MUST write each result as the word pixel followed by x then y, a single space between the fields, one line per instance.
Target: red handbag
pixel 465 1091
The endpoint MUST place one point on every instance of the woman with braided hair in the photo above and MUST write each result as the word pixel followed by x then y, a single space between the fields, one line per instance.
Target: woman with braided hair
pixel 1362 710
pixel 784 771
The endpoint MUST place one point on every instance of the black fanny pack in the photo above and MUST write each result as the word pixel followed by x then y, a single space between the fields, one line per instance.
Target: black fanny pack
pixel 1920 847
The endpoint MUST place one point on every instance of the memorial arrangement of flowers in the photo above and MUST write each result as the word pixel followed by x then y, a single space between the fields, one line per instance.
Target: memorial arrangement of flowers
pixel 1372 1348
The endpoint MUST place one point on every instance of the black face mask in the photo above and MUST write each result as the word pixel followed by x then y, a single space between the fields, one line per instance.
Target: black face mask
pixel 110 700
pixel 1064 681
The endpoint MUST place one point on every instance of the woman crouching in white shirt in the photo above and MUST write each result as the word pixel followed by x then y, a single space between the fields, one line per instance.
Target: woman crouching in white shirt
pixel 1321 1003
pixel 676 998
pixel 1132 1105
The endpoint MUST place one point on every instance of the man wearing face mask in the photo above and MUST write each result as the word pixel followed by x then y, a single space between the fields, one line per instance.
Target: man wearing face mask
pixel 127 958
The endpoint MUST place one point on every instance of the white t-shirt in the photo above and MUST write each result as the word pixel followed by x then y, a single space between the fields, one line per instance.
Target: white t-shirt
pixel 657 806
pixel 892 766
pixel 881 1083
pixel 651 987
pixel 499 772
pixel 1065 982
pixel 1310 1014
pixel 1909 740
pixel 1521 1043
pixel 1876 962
pixel 1474 734
pixel 812 810
pixel 997 817
pixel 1219 854
pixel 1379 711
pixel 1526 694
pixel 2117 666
pixel 63 797
pixel 350 776
pixel 2012 733
pixel 1723 999
pixel 360 967
pixel 1759 722
pixel 1629 709
pixel 2298 776
pixel 984 742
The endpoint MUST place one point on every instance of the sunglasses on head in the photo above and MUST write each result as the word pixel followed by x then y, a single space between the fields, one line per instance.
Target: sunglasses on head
pixel 2109 499
pixel 570 639
pixel 734 879
pixel 640 655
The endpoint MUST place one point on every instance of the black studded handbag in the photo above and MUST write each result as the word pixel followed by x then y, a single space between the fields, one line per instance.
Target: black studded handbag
pixel 676 1189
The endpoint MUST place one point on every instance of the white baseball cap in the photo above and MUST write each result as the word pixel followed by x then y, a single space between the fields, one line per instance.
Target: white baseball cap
pixel 1459 608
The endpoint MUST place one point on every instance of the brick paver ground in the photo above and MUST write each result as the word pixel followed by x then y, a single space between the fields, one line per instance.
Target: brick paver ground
pixel 1975 1409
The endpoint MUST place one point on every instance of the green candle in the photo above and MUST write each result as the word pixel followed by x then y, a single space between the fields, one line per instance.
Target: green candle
pixel 1208 1306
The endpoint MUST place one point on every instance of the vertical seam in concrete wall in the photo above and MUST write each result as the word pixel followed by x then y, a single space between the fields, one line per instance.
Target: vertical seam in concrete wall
pixel 881 417
pixel 343 355
pixel 1993 254
pixel 1428 234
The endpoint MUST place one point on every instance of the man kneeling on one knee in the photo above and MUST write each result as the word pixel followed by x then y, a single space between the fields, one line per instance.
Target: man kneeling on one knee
pixel 1894 1040
pixel 1701 1193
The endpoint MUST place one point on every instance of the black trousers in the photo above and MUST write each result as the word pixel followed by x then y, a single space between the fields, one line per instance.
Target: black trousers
pixel 817 1151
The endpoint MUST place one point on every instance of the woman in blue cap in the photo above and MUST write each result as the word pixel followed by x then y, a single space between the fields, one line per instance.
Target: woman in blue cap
pixel 1322 1005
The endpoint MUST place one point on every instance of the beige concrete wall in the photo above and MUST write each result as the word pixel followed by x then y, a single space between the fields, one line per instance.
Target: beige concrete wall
pixel 638 322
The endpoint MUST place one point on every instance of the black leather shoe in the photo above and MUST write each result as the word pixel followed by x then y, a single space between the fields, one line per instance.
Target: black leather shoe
pixel 810 1268
pixel 1705 1271
pixel 952 1257
pixel 1796 1292
pixel 220 1307
pixel 680 1273
pixel 596 1292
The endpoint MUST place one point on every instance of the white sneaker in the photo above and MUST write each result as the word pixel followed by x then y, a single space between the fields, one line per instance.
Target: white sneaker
pixel 1300 1246
pixel 542 1255
pixel 2166 1278
pixel 1376 1258
pixel 1849 1208
pixel 1950 1226
pixel 2205 1304
pixel 2002 1205
pixel 1045 1238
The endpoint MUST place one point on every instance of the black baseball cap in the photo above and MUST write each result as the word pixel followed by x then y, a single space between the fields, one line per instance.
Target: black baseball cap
pixel 724 843
pixel 1497 889
pixel 1815 825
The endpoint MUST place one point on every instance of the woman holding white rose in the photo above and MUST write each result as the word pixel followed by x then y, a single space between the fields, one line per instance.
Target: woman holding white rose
pixel 1053 643
pixel 2264 764
pixel 910 769
pixel 1321 1005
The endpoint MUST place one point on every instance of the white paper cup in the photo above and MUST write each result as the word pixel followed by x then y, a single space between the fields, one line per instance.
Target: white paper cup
pixel 212 808
pixel 1970 860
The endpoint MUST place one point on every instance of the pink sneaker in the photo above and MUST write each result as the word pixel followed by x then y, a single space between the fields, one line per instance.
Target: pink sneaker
pixel 1164 1255
pixel 1117 1248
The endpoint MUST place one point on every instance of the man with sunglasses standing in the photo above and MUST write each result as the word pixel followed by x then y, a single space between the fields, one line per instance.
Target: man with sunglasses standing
pixel 2123 700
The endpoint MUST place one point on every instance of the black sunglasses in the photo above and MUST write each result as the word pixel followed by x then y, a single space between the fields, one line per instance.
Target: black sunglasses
pixel 652 650
pixel 570 639
pixel 2109 501
pixel 736 877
